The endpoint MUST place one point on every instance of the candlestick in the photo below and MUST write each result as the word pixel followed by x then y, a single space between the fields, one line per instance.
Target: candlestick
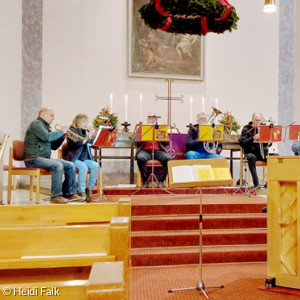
pixel 126 108
pixel 203 105
pixel 191 110
pixel 111 102
pixel 141 112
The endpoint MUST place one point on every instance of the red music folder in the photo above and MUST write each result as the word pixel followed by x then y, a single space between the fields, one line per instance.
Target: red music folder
pixel 105 137
pixel 269 134
pixel 294 132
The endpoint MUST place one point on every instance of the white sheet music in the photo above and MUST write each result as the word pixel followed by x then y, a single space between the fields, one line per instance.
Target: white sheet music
pixel 187 173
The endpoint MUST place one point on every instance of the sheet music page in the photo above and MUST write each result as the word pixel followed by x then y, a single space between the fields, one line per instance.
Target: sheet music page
pixel 203 172
pixel 183 174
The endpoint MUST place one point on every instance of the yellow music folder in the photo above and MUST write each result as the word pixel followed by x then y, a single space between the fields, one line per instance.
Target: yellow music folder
pixel 221 173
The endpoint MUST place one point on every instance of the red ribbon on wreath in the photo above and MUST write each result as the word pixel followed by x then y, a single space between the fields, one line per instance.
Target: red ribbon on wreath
pixel 227 12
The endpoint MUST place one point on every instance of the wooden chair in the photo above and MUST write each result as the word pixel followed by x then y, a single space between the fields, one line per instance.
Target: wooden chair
pixel 258 164
pixel 16 152
pixel 149 164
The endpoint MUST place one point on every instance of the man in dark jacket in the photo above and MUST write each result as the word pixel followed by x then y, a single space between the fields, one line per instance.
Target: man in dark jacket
pixel 194 148
pixel 144 154
pixel 254 150
pixel 39 141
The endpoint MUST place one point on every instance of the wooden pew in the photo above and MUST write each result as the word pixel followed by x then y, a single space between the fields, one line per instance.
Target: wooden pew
pixel 64 246
pixel 104 281
pixel 57 214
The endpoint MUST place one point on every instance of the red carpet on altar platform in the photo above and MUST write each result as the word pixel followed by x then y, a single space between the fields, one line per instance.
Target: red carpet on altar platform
pixel 165 229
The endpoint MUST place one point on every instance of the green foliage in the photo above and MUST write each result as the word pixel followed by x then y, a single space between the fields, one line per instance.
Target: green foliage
pixel 186 16
pixel 230 123
pixel 105 112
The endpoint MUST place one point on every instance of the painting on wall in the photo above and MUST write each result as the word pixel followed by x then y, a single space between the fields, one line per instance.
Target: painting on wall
pixel 159 54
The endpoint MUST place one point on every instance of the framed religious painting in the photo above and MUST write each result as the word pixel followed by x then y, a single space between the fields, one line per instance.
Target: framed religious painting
pixel 159 54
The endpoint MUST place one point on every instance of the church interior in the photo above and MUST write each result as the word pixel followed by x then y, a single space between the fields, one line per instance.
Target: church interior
pixel 186 114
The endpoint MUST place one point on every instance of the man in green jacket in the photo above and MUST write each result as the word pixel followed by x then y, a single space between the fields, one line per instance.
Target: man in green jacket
pixel 39 141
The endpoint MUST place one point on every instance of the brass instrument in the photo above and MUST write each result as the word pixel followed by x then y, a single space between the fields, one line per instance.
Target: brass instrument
pixel 211 147
pixel 72 135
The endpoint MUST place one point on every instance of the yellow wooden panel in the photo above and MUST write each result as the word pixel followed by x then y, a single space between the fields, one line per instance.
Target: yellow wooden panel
pixel 283 223
pixel 22 215
pixel 54 240
pixel 58 262
pixel 284 168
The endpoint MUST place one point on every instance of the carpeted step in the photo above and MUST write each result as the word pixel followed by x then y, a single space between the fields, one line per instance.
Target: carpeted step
pixel 236 221
pixel 191 238
pixel 188 209
pixel 190 255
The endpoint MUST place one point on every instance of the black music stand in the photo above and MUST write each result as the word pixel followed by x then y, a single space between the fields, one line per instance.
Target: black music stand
pixel 223 178
pixel 151 134
pixel 105 137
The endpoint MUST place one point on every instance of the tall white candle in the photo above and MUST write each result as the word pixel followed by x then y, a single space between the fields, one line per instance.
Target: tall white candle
pixel 203 105
pixel 140 108
pixel 111 102
pixel 126 108
pixel 191 110
pixel 217 103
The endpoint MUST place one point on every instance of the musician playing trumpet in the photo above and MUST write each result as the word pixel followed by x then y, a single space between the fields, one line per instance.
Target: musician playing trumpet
pixel 39 141
pixel 78 151
pixel 250 143
pixel 195 148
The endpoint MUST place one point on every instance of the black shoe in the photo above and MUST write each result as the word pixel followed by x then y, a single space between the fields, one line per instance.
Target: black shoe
pixel 88 195
pixel 146 185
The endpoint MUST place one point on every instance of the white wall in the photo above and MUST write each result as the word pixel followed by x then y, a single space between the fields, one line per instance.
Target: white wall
pixel 85 59
pixel 297 80
pixel 10 66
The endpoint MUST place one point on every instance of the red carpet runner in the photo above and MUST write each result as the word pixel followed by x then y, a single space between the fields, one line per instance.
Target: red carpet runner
pixel 165 229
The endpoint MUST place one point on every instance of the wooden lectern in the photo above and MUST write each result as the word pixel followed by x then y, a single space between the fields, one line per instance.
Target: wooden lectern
pixel 283 223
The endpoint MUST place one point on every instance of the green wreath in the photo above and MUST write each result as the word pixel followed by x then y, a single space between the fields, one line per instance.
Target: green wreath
pixel 190 16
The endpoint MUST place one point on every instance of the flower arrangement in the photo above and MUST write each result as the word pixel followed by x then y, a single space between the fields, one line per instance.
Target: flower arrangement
pixel 229 122
pixel 190 16
pixel 112 118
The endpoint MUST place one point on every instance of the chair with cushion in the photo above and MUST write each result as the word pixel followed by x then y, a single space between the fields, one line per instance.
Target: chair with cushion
pixel 16 152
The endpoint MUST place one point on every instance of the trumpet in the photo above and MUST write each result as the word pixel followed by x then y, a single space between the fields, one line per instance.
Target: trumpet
pixel 72 135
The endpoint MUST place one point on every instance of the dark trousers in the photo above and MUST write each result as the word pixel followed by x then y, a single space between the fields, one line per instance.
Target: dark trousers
pixel 252 158
pixel 144 156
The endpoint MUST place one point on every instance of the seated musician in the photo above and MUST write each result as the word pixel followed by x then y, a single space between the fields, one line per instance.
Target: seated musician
pixel 39 141
pixel 254 150
pixel 79 152
pixel 144 154
pixel 195 148
pixel 296 147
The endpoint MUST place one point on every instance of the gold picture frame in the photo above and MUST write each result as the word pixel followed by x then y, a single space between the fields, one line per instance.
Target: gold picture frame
pixel 159 54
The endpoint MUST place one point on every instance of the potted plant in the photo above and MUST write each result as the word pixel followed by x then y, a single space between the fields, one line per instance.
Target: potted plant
pixel 112 118
pixel 230 125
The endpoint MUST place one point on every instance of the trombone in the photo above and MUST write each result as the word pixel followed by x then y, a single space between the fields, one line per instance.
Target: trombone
pixel 72 135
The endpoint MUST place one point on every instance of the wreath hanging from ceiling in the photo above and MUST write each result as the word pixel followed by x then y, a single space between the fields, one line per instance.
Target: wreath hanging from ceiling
pixel 190 16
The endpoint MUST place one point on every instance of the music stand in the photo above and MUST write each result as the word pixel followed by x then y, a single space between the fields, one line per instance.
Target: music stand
pixel 199 173
pixel 211 133
pixel 151 133
pixel 105 137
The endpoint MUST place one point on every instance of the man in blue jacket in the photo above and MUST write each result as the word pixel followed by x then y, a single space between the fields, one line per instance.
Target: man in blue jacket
pixel 39 141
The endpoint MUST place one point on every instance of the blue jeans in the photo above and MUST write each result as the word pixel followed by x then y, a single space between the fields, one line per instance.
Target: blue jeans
pixel 57 167
pixel 200 155
pixel 83 167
